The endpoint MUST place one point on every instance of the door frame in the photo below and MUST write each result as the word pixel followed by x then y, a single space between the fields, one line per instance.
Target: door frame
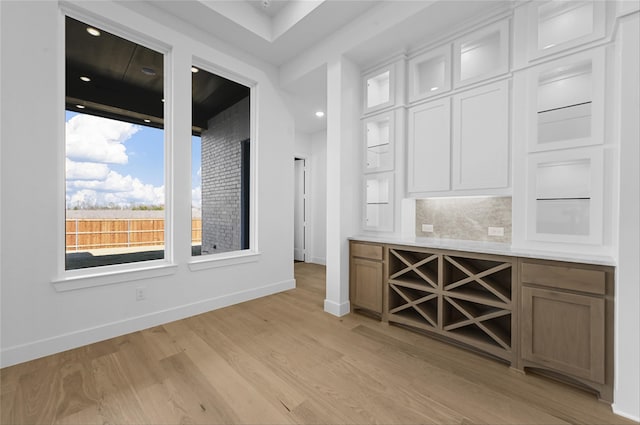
pixel 307 205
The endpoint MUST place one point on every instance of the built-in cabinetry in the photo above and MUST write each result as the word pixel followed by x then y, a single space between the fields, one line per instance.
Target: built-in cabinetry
pixel 567 321
pixel 430 73
pixel 429 136
pixel 566 102
pixel 366 275
pixel 379 89
pixel 481 54
pixel 460 142
pixel 555 26
pixel 480 138
pixel 565 196
pixel 549 316
pixel 383 88
pixel 462 296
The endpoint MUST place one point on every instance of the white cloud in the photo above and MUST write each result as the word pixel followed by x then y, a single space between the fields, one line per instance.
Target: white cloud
pixel 83 199
pixel 86 170
pixel 120 190
pixel 196 197
pixel 95 139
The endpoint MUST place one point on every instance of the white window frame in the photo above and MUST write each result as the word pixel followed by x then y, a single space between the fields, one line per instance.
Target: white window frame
pixel 223 259
pixel 105 275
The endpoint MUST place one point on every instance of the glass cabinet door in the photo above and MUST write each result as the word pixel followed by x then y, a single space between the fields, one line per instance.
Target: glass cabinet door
pixel 379 89
pixel 378 214
pixel 482 54
pixel 565 196
pixel 430 73
pixel 558 25
pixel 379 146
pixel 569 102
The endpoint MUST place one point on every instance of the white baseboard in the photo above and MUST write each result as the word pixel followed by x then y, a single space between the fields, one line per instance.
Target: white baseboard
pixel 635 418
pixel 318 260
pixel 337 309
pixel 44 347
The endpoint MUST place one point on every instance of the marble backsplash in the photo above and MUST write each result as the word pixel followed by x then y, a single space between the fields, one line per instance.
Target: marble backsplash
pixel 464 218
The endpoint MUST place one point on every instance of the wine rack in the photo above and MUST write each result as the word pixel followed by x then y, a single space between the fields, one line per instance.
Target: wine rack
pixel 467 298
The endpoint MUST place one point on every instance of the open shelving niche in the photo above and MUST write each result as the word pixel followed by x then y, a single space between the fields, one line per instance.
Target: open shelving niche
pixel 468 298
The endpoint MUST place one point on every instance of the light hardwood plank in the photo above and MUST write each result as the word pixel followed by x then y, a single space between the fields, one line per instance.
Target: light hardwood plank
pixel 282 359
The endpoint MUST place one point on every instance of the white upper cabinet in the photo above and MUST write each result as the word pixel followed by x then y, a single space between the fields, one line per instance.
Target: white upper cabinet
pixel 430 73
pixel 481 54
pixel 429 147
pixel 567 102
pixel 555 26
pixel 481 149
pixel 379 133
pixel 379 89
pixel 565 196
pixel 379 205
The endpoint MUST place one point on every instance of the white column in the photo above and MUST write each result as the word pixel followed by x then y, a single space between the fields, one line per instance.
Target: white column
pixel 178 185
pixel 343 178
pixel 627 312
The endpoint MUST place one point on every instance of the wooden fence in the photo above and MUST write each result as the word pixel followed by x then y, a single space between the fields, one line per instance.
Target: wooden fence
pixel 83 234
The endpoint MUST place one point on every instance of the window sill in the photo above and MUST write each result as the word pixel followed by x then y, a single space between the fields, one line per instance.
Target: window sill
pixel 89 278
pixel 223 260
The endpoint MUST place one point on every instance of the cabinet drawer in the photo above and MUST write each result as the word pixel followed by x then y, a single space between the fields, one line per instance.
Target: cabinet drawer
pixel 373 252
pixel 564 277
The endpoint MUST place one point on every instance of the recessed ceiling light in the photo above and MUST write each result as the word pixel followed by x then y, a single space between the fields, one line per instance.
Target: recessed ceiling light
pixel 148 71
pixel 85 79
pixel 93 31
pixel 80 106
pixel 147 120
pixel 434 88
pixel 194 69
pixel 319 114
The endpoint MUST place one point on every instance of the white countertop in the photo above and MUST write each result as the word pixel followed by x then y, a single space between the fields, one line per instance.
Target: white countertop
pixel 489 248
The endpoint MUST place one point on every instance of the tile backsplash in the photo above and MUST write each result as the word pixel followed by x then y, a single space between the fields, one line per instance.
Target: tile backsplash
pixel 465 218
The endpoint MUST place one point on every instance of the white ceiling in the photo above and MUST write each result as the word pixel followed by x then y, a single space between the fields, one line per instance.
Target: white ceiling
pixel 287 29
pixel 269 7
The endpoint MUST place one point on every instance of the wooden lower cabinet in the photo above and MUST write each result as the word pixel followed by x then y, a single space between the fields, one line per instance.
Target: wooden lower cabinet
pixel 464 297
pixel 366 276
pixel 566 322
pixel 551 317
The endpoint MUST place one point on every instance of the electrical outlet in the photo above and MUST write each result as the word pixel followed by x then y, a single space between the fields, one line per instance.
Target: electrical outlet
pixel 496 231
pixel 141 294
pixel 427 228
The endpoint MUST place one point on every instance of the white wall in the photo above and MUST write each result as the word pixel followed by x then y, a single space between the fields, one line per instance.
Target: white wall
pixel 37 320
pixel 318 248
pixel 313 147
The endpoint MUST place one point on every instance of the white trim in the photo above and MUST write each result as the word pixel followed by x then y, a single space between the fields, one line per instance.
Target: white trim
pixel 614 408
pixel 336 309
pixel 22 353
pixel 205 262
pixel 97 276
pixel 318 260
pixel 108 275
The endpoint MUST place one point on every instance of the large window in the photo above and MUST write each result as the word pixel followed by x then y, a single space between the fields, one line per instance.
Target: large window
pixel 114 149
pixel 220 164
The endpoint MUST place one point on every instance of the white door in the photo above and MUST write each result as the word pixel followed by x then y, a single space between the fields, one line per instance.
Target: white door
pixel 299 211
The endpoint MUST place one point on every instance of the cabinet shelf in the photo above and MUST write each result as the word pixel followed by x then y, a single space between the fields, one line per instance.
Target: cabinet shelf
pixel 564 199
pixel 564 107
pixel 465 298
pixel 414 282
pixel 487 280
pixel 413 303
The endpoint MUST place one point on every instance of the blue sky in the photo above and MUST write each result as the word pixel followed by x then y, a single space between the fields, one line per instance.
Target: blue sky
pixel 115 163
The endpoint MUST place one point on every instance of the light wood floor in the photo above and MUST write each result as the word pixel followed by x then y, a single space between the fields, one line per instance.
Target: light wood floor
pixel 280 360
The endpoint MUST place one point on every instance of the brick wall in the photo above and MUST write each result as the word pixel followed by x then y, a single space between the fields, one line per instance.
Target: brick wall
pixel 221 178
